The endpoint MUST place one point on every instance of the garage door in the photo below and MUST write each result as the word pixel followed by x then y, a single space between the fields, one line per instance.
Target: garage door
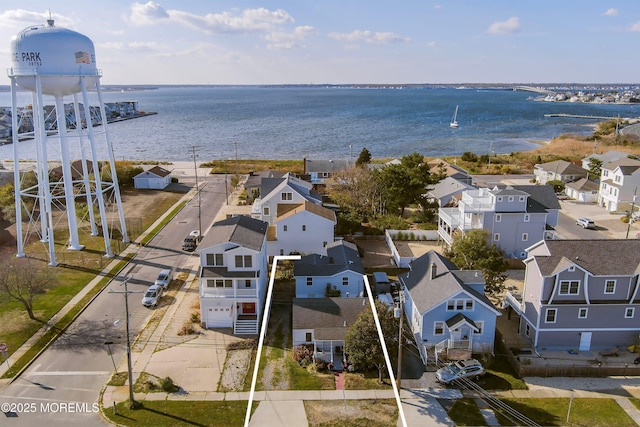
pixel 219 316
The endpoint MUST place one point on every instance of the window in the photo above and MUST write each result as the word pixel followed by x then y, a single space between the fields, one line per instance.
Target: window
pixel 521 199
pixel 499 198
pixel 525 237
pixel 610 287
pixel 527 330
pixel 244 261
pixel 569 287
pixel 468 305
pixel 324 244
pixel 527 217
pixel 498 217
pixel 438 328
pixel 629 312
pixel 265 211
pixel 219 283
pixel 572 268
pixel 451 305
pixel 307 337
pixel 480 326
pixel 284 228
pixel 510 198
pixel 345 281
pixel 617 178
pixel 551 315
pixel 459 304
pixel 582 313
pixel 247 283
pixel 286 196
pixel 309 281
pixel 496 237
pixel 215 259
pixel 304 227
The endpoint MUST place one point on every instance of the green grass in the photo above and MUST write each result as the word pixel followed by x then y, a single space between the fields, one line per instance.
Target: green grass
pixel 465 412
pixel 635 401
pixel 303 379
pixel 365 381
pixel 243 166
pixel 501 376
pixel 593 412
pixel 168 413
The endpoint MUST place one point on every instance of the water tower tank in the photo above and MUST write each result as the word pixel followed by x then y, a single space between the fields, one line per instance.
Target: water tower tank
pixel 58 55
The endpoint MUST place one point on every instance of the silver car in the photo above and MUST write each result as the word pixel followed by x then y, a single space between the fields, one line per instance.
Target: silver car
pixel 470 368
pixel 152 297
pixel 164 278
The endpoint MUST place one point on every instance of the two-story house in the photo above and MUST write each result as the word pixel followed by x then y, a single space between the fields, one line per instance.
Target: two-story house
pixel 447 309
pixel 233 274
pixel 304 229
pixel 558 170
pixel 580 294
pixel 287 190
pixel 619 182
pixel 319 171
pixel 340 270
pixel 513 216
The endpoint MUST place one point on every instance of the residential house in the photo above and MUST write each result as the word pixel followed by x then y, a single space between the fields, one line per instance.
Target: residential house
pixel 304 228
pixel 513 216
pixel 233 274
pixel 452 171
pixel 580 295
pixel 582 190
pixel 155 178
pixel 558 170
pixel 448 191
pixel 323 323
pixel 446 308
pixel 339 270
pixel 254 181
pixel 287 190
pixel 619 183
pixel 606 157
pixel 319 171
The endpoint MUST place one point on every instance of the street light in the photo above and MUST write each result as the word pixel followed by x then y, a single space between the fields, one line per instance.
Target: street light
pixel 108 344
pixel 400 313
pixel 633 202
pixel 195 169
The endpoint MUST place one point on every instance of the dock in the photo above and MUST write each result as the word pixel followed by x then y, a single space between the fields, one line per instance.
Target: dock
pixel 579 116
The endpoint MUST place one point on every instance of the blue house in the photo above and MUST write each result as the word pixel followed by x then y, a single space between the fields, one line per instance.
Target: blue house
pixel 340 269
pixel 447 309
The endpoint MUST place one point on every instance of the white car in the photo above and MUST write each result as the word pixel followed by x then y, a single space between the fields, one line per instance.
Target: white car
pixel 585 223
pixel 164 278
pixel 470 368
pixel 152 297
pixel 195 233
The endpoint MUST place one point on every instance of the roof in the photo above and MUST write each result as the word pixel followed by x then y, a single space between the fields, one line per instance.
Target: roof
pixel 619 257
pixel 254 180
pixel 449 280
pixel 380 277
pixel 341 256
pixel 543 194
pixel 268 185
pixel 449 186
pixel 330 318
pixel 608 156
pixel 242 230
pixel 583 184
pixel 325 165
pixel 562 167
pixel 288 210
pixel 160 171
pixel 628 164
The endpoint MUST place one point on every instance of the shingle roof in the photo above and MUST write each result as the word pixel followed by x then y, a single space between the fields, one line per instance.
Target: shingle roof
pixel 243 230
pixel 327 316
pixel 543 194
pixel 341 256
pixel 325 165
pixel 562 167
pixel 620 257
pixel 583 184
pixel 160 171
pixel 287 210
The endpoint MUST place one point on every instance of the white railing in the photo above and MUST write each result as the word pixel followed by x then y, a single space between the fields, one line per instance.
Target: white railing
pixel 229 293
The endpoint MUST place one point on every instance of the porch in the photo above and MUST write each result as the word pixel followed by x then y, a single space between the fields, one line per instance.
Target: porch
pixel 330 351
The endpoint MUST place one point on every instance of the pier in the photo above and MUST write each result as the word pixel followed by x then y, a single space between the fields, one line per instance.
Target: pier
pixel 579 116
pixel 533 89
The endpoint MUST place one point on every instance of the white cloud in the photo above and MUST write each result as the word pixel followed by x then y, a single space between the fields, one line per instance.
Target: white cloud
pixel 510 26
pixel 437 6
pixel 635 27
pixel 611 12
pixel 248 20
pixel 283 40
pixel 19 19
pixel 130 47
pixel 432 44
pixel 370 37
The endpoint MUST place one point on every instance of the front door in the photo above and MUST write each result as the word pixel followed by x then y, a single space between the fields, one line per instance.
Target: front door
pixel 585 341
pixel 248 308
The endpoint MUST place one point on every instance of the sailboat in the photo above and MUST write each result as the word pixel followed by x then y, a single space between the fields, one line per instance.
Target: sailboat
pixel 454 119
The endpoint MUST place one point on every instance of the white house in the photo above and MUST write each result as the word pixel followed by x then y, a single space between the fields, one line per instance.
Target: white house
pixel 558 170
pixel 582 190
pixel 321 170
pixel 340 270
pixel 233 274
pixel 618 183
pixel 155 178
pixel 287 190
pixel 305 229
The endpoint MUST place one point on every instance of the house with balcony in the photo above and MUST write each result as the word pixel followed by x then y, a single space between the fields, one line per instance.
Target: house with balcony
pixel 287 190
pixel 558 170
pixel 446 309
pixel 233 274
pixel 340 271
pixel 319 171
pixel 513 216
pixel 448 191
pixel 580 295
pixel 323 323
pixel 305 228
pixel 619 182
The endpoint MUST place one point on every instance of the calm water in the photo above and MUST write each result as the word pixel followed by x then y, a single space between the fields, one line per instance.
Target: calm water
pixel 290 123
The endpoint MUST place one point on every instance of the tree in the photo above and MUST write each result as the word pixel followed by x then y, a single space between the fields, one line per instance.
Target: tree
pixel 364 158
pixel 595 168
pixel 355 190
pixel 472 252
pixel 22 279
pixel 558 186
pixel 362 343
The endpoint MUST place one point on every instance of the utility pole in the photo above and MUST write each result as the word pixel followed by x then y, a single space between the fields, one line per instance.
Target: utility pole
pixel 132 402
pixel 195 169
pixel 400 338
pixel 633 202
pixel 226 190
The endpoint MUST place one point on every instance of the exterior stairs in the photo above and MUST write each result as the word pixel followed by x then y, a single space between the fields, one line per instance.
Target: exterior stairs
pixel 245 327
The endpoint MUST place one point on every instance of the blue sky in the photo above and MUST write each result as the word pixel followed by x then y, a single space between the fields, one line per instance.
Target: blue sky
pixel 348 41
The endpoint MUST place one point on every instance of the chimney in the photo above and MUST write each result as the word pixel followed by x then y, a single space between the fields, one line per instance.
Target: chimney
pixel 434 270
pixel 304 165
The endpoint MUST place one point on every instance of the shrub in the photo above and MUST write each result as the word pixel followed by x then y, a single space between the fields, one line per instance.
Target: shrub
pixel 246 344
pixel 195 317
pixel 321 365
pixel 303 354
pixel 468 156
pixel 332 291
pixel 187 329
pixel 168 385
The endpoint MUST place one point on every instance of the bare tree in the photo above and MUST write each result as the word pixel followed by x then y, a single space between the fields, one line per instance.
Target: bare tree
pixel 22 279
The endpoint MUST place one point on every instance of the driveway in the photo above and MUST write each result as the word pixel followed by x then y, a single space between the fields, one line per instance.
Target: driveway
pixel 608 225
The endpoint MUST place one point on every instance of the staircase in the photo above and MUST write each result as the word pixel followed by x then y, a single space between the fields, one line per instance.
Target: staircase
pixel 245 327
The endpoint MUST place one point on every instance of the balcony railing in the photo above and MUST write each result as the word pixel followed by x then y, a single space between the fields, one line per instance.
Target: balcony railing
pixel 229 293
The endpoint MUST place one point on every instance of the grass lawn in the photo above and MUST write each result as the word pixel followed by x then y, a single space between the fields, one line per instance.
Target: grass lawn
pixel 352 413
pixel 501 376
pixel 465 412
pixel 304 379
pixel 171 413
pixel 365 381
pixel 635 402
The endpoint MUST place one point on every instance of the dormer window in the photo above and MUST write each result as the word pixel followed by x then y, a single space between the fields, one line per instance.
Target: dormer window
pixel 286 196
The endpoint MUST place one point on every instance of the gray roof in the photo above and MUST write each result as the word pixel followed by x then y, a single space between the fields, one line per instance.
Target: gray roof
pixel 341 256
pixel 543 194
pixel 632 164
pixel 449 186
pixel 255 179
pixel 584 184
pixel 325 165
pixel 620 257
pixel 449 280
pixel 269 184
pixel 327 316
pixel 562 167
pixel 608 156
pixel 242 230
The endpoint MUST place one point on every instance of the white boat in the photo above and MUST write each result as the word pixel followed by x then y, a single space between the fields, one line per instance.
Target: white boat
pixel 454 119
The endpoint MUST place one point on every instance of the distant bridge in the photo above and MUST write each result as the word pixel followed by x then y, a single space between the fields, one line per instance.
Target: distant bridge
pixel 533 89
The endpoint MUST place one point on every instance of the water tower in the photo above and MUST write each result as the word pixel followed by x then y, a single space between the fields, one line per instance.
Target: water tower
pixel 53 64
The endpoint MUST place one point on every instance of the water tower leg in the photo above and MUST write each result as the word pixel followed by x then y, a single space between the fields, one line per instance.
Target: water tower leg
pixel 85 169
pixel 67 177
pixel 16 170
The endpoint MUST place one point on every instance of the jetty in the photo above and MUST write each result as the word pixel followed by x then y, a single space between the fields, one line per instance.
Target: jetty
pixel 533 89
pixel 580 116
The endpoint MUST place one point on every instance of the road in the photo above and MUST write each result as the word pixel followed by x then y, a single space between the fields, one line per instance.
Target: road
pixel 61 387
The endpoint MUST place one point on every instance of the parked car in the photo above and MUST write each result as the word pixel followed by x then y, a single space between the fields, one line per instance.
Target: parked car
pixel 152 297
pixel 470 368
pixel 585 223
pixel 164 278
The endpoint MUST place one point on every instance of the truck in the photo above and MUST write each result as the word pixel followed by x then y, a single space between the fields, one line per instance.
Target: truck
pixel 190 243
